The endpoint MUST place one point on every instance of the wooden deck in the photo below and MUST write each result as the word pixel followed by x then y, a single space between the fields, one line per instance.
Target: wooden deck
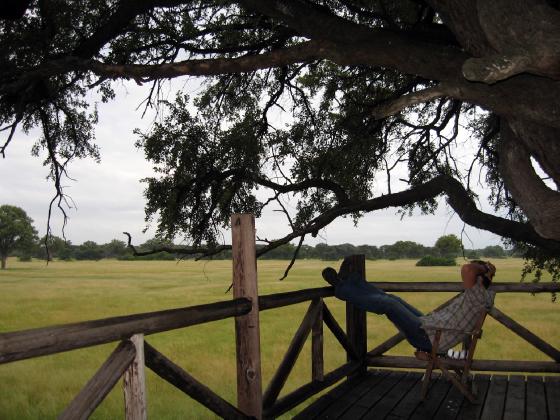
pixel 385 394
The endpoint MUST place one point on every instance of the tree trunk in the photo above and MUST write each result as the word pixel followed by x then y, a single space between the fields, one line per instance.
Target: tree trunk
pixel 540 203
pixel 4 258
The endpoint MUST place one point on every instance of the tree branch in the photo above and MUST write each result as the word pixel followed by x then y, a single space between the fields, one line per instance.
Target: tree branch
pixel 458 198
pixel 125 12
pixel 540 203
pixel 201 252
pixel 394 107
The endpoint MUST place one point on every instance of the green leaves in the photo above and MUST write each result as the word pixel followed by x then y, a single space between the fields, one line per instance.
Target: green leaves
pixel 16 231
pixel 204 172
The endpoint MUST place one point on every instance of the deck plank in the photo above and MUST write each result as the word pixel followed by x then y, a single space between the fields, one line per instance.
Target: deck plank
pixel 436 395
pixel 515 399
pixel 536 398
pixel 552 385
pixel 405 408
pixel 394 395
pixel 318 407
pixel 496 398
pixel 468 410
pixel 451 405
pixel 350 398
pixel 392 398
pixel 374 395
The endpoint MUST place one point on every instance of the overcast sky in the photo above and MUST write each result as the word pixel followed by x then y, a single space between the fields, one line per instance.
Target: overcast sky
pixel 109 198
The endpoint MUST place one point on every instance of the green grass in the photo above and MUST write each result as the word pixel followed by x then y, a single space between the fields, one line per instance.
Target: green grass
pixel 35 295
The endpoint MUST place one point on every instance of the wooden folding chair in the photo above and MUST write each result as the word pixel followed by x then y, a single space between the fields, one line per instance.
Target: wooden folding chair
pixel 461 368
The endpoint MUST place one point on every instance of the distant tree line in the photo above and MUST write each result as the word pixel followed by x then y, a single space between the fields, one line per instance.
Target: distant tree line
pixel 445 246
pixel 19 238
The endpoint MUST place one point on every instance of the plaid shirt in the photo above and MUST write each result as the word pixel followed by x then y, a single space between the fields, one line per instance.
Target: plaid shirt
pixel 461 314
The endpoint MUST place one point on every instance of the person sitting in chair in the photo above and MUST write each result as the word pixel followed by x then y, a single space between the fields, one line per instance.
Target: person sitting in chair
pixel 419 329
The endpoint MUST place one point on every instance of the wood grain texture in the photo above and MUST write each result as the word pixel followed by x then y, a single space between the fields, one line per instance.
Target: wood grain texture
pixel 97 388
pixel 42 341
pixel 455 286
pixel 536 398
pixel 317 361
pixel 495 400
pixel 552 384
pixel 247 332
pixel 477 365
pixel 515 399
pixel 134 383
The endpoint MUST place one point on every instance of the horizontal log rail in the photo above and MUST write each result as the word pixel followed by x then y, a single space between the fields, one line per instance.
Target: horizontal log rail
pixel 49 340
pixel 278 300
pixel 456 286
pixel 480 365
pixel 21 345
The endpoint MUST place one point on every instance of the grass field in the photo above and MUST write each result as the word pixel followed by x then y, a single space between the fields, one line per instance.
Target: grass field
pixel 35 295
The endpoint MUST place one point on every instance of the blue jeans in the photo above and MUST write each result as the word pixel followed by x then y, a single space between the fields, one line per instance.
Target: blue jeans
pixel 357 291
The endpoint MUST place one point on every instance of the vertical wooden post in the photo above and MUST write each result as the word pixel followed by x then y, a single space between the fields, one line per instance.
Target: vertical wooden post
pixel 134 383
pixel 317 364
pixel 247 334
pixel 356 328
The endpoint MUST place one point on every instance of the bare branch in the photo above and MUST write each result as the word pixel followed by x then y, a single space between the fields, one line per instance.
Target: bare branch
pixel 294 257
pixel 458 198
pixel 201 252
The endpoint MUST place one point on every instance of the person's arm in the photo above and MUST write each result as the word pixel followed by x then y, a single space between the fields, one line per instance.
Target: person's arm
pixel 470 271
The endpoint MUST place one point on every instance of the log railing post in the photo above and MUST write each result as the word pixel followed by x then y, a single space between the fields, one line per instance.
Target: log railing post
pixel 317 364
pixel 134 383
pixel 356 318
pixel 247 334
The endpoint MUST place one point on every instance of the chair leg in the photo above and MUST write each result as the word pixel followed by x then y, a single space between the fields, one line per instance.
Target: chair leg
pixel 426 380
pixel 432 363
pixel 460 386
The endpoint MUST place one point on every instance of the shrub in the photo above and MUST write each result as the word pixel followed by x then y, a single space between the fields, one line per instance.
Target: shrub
pixel 430 261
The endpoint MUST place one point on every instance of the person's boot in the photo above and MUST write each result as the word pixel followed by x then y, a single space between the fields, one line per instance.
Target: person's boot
pixel 330 276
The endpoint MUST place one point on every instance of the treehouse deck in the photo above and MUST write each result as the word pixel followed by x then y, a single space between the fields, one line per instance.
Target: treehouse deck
pixel 387 394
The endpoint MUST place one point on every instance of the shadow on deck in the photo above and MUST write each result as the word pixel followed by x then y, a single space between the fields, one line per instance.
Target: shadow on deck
pixel 386 394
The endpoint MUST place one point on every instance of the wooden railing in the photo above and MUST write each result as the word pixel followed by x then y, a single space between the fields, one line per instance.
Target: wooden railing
pixel 354 341
pixel 128 358
pixel 133 352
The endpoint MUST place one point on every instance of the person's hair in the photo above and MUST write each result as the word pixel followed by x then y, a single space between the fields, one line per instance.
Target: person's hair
pixel 485 279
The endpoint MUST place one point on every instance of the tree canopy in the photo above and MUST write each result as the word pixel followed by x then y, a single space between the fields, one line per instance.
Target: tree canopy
pixel 373 89
pixel 16 232
pixel 448 245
